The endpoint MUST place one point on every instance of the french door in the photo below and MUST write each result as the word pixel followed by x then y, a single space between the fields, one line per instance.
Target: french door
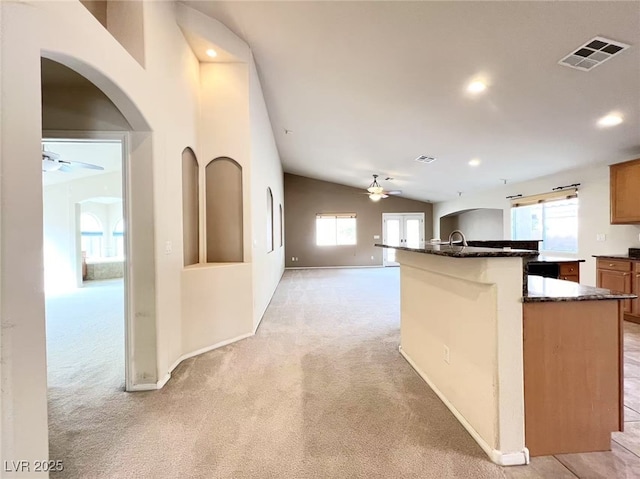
pixel 401 229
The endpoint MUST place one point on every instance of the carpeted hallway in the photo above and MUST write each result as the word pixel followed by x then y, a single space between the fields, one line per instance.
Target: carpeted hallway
pixel 321 391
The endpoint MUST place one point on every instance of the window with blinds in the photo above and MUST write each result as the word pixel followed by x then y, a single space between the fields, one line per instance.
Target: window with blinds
pixel 336 229
pixel 550 217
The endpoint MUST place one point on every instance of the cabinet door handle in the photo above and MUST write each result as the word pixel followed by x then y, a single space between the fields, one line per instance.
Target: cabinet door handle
pixel 626 274
pixel 610 264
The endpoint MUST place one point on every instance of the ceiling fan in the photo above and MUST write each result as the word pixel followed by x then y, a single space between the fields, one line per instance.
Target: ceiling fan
pixel 377 192
pixel 51 162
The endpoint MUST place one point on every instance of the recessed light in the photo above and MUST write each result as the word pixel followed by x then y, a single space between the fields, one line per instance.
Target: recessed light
pixel 212 53
pixel 476 86
pixel 474 162
pixel 610 120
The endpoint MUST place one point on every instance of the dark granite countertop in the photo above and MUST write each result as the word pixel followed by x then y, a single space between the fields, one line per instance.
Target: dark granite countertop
pixel 543 258
pixel 548 289
pixel 616 256
pixel 457 251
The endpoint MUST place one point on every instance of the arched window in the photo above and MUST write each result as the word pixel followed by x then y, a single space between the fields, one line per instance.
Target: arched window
pixel 269 220
pixel 91 235
pixel 118 236
pixel 224 215
pixel 190 208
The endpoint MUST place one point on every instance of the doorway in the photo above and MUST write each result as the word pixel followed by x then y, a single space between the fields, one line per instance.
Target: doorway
pixel 85 259
pixel 401 229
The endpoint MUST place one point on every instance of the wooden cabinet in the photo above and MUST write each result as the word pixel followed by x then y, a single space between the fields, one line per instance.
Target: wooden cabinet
pixel 635 287
pixel 622 276
pixel 570 271
pixel 625 185
pixel 572 365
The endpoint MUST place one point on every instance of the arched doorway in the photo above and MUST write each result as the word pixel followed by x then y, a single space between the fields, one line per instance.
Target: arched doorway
pixel 89 115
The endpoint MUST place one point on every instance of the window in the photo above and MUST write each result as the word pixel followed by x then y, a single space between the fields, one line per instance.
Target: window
pixel 338 229
pixel 269 220
pixel 90 235
pixel 552 218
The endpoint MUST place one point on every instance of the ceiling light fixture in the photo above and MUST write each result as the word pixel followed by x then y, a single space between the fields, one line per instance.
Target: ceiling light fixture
pixel 376 192
pixel 612 119
pixel 212 53
pixel 374 187
pixel 476 86
pixel 474 162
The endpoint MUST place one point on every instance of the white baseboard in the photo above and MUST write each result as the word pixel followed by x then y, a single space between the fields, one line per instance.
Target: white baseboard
pixel 501 458
pixel 160 384
pixel 335 267
pixel 143 387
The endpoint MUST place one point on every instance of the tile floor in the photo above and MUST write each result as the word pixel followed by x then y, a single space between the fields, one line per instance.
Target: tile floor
pixel 623 461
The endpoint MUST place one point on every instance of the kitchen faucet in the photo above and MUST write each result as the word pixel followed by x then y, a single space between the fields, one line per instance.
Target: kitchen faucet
pixel 464 240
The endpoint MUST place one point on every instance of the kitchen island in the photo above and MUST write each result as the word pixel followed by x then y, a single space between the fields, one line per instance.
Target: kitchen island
pixel 462 327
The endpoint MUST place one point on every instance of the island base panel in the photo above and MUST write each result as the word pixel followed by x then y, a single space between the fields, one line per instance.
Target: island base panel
pixel 572 376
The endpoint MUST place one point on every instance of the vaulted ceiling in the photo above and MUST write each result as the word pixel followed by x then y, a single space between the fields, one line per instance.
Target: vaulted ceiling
pixel 366 87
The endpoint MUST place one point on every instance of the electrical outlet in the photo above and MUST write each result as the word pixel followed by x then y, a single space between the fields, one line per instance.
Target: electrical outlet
pixel 601 237
pixel 168 247
pixel 376 236
pixel 372 257
pixel 446 354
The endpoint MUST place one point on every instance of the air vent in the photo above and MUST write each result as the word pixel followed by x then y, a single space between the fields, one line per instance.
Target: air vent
pixel 593 53
pixel 425 159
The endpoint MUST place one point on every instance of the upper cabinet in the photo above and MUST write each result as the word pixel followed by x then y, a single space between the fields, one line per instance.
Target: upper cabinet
pixel 625 192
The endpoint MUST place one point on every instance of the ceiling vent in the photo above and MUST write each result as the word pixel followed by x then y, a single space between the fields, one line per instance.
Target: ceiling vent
pixel 425 159
pixel 593 53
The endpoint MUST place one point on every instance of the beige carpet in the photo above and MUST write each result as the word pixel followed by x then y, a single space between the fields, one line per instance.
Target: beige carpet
pixel 321 391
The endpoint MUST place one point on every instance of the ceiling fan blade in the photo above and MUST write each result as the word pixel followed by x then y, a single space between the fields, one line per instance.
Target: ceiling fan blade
pixel 65 168
pixel 80 164
pixel 49 155
pixel 393 192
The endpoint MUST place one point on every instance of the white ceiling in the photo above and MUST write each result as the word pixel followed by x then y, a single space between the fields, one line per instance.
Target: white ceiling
pixel 107 154
pixel 366 87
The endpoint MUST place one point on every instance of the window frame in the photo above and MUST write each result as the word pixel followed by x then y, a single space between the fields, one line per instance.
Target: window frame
pixel 336 217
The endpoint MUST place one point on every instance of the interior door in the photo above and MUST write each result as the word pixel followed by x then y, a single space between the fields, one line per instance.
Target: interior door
pixel 402 229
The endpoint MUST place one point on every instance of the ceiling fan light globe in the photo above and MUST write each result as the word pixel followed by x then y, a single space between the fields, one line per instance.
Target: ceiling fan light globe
pixel 376 190
pixel 375 196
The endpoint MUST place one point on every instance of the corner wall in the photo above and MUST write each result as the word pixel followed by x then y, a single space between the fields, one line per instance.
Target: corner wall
pixel 305 197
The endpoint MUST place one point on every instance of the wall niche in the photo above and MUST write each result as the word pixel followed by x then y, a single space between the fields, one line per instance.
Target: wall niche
pixel 224 217
pixel 190 208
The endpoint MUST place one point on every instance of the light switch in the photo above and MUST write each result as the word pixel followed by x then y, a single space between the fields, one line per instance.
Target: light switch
pixel 376 236
pixel 168 247
pixel 601 237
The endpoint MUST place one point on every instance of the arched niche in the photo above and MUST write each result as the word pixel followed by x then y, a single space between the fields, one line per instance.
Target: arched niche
pixel 270 229
pixel 190 208
pixel 224 216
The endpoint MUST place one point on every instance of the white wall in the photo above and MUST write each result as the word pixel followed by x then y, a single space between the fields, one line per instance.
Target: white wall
pixel 266 173
pixel 483 224
pixel 593 213
pixel 61 262
pixel 161 103
pixel 66 32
